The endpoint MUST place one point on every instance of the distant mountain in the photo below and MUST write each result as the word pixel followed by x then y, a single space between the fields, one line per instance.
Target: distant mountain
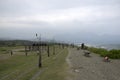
pixel 6 39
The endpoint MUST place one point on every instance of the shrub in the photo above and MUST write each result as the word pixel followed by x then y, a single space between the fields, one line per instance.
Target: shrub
pixel 113 54
pixel 3 49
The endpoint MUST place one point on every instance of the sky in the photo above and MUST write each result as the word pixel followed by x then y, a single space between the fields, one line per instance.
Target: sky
pixel 89 21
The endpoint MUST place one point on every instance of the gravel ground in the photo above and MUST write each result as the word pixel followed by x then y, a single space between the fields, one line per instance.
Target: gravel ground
pixel 91 68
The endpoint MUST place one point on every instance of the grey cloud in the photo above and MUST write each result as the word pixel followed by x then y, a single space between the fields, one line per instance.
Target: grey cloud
pixel 24 7
pixel 99 30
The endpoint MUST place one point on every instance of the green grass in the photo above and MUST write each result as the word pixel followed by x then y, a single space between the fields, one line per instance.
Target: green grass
pixel 113 54
pixel 5 50
pixel 21 67
pixel 55 68
pixel 16 65
pixel 21 50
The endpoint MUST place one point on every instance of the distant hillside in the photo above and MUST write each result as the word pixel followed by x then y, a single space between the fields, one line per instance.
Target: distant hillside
pixel 14 42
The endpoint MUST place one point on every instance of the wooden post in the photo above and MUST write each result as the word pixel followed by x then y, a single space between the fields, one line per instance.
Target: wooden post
pixel 11 52
pixel 29 48
pixel 39 49
pixel 40 58
pixel 53 49
pixel 26 50
pixel 48 51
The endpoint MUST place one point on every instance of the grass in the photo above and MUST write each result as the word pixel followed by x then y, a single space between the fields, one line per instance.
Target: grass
pixel 55 68
pixel 21 67
pixel 5 50
pixel 113 54
pixel 16 65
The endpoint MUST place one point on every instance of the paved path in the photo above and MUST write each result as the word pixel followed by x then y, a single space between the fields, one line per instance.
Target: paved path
pixel 92 68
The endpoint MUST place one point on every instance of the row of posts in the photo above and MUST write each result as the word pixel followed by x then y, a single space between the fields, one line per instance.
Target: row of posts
pixel 37 47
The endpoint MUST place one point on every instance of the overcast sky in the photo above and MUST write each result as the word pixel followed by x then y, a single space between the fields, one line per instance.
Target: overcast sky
pixel 66 20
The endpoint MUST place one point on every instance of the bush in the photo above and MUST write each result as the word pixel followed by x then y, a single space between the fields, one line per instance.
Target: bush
pixel 98 50
pixel 113 54
pixel 3 49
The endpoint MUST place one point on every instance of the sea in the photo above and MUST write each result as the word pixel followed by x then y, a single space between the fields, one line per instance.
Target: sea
pixel 105 46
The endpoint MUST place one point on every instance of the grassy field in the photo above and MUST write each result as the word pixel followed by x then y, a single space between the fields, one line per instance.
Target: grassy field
pixel 5 50
pixel 21 67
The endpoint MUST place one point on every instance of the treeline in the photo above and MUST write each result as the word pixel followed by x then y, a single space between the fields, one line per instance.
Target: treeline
pixel 113 54
pixel 14 42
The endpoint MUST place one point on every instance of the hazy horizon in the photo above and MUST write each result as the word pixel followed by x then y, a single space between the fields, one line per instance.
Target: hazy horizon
pixel 88 21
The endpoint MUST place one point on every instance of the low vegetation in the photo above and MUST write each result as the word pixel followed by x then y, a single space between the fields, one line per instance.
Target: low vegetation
pixel 113 54
pixel 14 43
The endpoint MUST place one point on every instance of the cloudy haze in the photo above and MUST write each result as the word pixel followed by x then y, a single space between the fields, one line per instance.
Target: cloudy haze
pixel 91 21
